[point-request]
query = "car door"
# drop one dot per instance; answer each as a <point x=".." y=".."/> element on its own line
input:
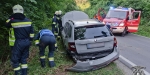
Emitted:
<point x="68" y="34"/>
<point x="133" y="23"/>
<point x="64" y="34"/>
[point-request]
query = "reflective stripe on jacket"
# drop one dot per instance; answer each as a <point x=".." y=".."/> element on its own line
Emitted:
<point x="11" y="37"/>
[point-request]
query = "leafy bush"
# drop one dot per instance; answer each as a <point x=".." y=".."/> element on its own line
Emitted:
<point x="39" y="11"/>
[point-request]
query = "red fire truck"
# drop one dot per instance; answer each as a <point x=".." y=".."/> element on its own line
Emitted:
<point x="123" y="20"/>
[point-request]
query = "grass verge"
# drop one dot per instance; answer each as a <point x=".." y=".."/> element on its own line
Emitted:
<point x="62" y="62"/>
<point x="144" y="30"/>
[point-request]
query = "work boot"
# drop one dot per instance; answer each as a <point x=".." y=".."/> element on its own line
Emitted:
<point x="18" y="72"/>
<point x="51" y="63"/>
<point x="42" y="62"/>
<point x="24" y="71"/>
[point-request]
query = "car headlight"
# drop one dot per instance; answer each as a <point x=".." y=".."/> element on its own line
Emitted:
<point x="121" y="24"/>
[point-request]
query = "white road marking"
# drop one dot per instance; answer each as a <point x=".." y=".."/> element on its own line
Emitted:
<point x="126" y="62"/>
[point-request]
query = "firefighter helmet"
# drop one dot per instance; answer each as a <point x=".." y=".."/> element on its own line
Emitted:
<point x="56" y="12"/>
<point x="18" y="9"/>
<point x="59" y="12"/>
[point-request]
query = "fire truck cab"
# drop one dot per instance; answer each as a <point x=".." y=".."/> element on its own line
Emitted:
<point x="123" y="20"/>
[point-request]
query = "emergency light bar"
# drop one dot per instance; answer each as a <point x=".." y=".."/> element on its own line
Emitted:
<point x="121" y="8"/>
<point x="124" y="8"/>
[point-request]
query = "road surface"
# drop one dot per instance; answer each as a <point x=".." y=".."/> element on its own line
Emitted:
<point x="136" y="49"/>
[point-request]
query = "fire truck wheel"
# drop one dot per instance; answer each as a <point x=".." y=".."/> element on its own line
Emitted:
<point x="124" y="32"/>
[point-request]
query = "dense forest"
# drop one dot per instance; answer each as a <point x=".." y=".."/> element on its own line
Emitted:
<point x="41" y="12"/>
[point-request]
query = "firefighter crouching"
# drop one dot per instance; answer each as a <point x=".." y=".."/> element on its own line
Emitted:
<point x="45" y="38"/>
<point x="23" y="32"/>
<point x="55" y="26"/>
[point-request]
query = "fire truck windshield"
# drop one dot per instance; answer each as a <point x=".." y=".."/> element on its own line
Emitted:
<point x="116" y="14"/>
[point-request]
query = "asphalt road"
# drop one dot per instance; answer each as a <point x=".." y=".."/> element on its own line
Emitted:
<point x="136" y="49"/>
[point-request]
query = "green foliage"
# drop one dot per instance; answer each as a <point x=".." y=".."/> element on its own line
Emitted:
<point x="39" y="11"/>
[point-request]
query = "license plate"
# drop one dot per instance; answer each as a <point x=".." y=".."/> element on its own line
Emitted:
<point x="95" y="45"/>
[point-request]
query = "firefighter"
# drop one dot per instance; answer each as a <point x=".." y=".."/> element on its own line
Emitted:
<point x="45" y="38"/>
<point x="59" y="23"/>
<point x="55" y="26"/>
<point x="23" y="32"/>
<point x="99" y="16"/>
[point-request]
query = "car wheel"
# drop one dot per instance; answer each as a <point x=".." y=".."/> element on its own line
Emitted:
<point x="124" y="32"/>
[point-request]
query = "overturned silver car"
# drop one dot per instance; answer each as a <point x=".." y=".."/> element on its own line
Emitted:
<point x="89" y="42"/>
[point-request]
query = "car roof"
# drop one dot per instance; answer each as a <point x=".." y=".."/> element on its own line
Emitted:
<point x="86" y="22"/>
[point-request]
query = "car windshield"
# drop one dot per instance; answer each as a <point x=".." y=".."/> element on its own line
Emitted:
<point x="93" y="31"/>
<point x="116" y="14"/>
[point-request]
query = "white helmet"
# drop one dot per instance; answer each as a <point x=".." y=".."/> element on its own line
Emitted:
<point x="18" y="9"/>
<point x="56" y="12"/>
<point x="59" y="12"/>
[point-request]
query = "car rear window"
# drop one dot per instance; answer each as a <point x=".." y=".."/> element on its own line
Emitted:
<point x="92" y="31"/>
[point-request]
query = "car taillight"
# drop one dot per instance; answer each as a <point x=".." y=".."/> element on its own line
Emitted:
<point x="115" y="41"/>
<point x="72" y="46"/>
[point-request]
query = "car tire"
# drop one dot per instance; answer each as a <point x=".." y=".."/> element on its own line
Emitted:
<point x="124" y="32"/>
